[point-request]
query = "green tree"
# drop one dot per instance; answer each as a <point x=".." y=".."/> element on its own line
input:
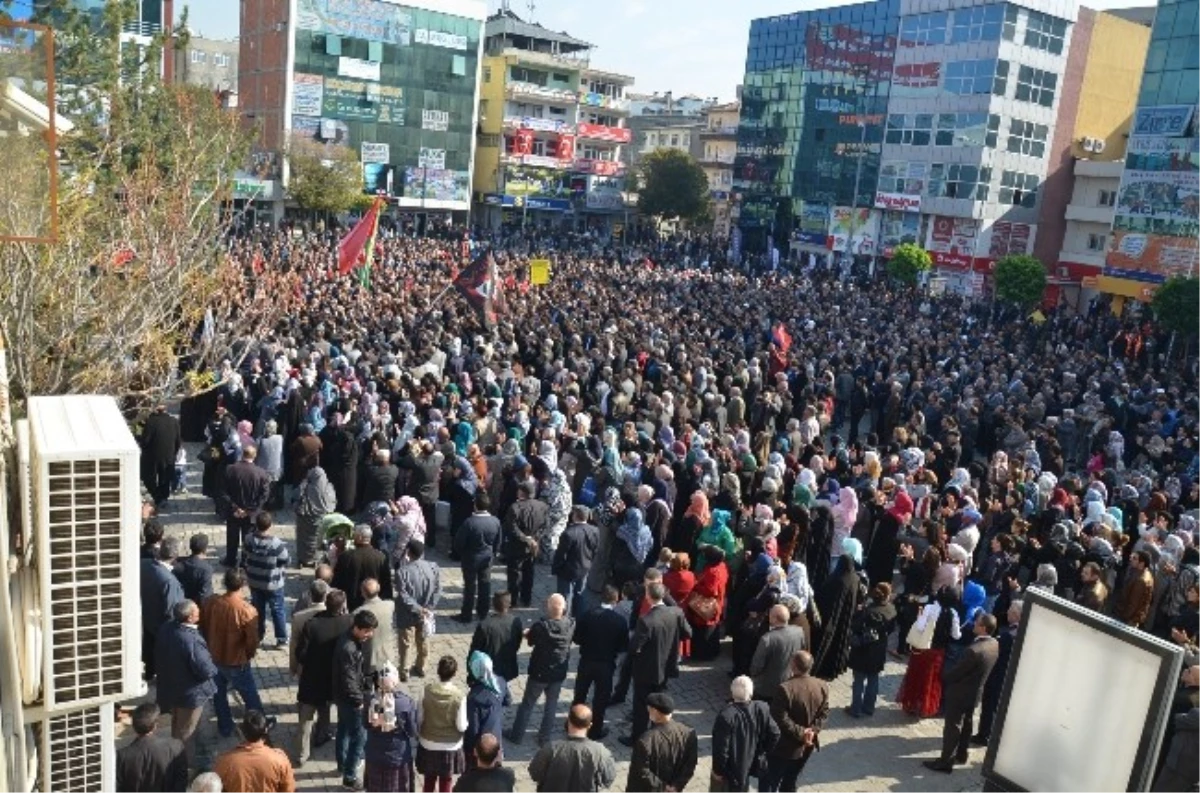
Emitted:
<point x="908" y="262"/>
<point x="325" y="178"/>
<point x="1020" y="279"/>
<point x="673" y="186"/>
<point x="1176" y="305"/>
<point x="146" y="178"/>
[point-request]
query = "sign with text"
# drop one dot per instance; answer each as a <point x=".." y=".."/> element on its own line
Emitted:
<point x="308" y="94"/>
<point x="1169" y="121"/>
<point x="539" y="272"/>
<point x="953" y="235"/>
<point x="431" y="158"/>
<point x="858" y="228"/>
<point x="601" y="132"/>
<point x="898" y="201"/>
<point x="435" y="120"/>
<point x="1009" y="239"/>
<point x="370" y="20"/>
<point x="358" y="69"/>
<point x="375" y="152"/>
<point x="358" y="101"/>
<point x="436" y="38"/>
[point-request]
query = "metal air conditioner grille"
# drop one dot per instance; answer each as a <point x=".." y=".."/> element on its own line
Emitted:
<point x="84" y="556"/>
<point x="74" y="745"/>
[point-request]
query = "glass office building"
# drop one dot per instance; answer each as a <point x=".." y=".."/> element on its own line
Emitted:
<point x="1172" y="76"/>
<point x="397" y="84"/>
<point x="814" y="103"/>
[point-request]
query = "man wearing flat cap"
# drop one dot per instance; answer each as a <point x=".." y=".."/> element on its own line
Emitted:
<point x="664" y="757"/>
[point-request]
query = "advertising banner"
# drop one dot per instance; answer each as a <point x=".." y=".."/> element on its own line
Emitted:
<point x="1159" y="195"/>
<point x="898" y="228"/>
<point x="308" y="94"/>
<point x="437" y="184"/>
<point x="357" y="101"/>
<point x="434" y="159"/>
<point x="436" y="38"/>
<point x="1168" y="121"/>
<point x="375" y="177"/>
<point x="814" y="224"/>
<point x="1009" y="238"/>
<point x="435" y="120"/>
<point x="862" y="223"/>
<point x="1138" y="255"/>
<point x="370" y="20"/>
<point x="523" y="180"/>
<point x="847" y="49"/>
<point x="1163" y="154"/>
<point x="375" y="152"/>
<point x="328" y="129"/>
<point x="358" y="69"/>
<point x="601" y="132"/>
<point x="953" y="236"/>
<point x="898" y="201"/>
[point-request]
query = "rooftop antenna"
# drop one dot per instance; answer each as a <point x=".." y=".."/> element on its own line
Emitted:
<point x="532" y="8"/>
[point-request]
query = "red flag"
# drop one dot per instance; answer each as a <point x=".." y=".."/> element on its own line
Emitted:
<point x="780" y="336"/>
<point x="257" y="265"/>
<point x="480" y="284"/>
<point x="353" y="245"/>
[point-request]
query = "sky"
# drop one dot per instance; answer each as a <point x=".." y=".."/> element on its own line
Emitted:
<point x="685" y="46"/>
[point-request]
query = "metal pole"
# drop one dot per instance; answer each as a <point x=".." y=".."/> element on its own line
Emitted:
<point x="862" y="142"/>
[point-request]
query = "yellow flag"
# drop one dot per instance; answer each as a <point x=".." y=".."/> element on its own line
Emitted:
<point x="539" y="271"/>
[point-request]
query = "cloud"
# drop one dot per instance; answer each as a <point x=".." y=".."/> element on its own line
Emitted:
<point x="634" y="8"/>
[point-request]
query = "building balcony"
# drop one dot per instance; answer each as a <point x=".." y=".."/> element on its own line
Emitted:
<point x="611" y="103"/>
<point x="598" y="167"/>
<point x="538" y="124"/>
<point x="1080" y="260"/>
<point x="535" y="160"/>
<point x="716" y="161"/>
<point x="1084" y="214"/>
<point x="558" y="96"/>
<point x="729" y="132"/>
<point x="545" y="59"/>
<point x="1104" y="169"/>
<point x="600" y="132"/>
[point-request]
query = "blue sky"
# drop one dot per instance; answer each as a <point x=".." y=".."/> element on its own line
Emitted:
<point x="685" y="46"/>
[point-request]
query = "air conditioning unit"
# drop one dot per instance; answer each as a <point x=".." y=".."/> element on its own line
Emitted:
<point x="75" y="750"/>
<point x="86" y="520"/>
<point x="1097" y="145"/>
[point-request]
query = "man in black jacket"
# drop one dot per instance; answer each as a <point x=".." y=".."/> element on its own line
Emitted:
<point x="602" y="635"/>
<point x="152" y="762"/>
<point x="247" y="488"/>
<point x="425" y="475"/>
<point x="499" y="637"/>
<point x="525" y="522"/>
<point x="379" y="480"/>
<point x="314" y="657"/>
<point x="962" y="688"/>
<point x="572" y="560"/>
<point x="355" y="566"/>
<point x="350" y="690"/>
<point x="486" y="774"/>
<point x="161" y="441"/>
<point x="550" y="638"/>
<point x="742" y="736"/>
<point x="664" y="757"/>
<point x="194" y="573"/>
<point x="476" y="544"/>
<point x="654" y="650"/>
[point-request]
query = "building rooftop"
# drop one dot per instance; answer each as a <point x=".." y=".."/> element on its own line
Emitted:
<point x="1142" y="15"/>
<point x="525" y="35"/>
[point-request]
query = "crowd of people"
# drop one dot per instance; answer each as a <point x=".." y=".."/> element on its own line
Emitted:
<point x="784" y="474"/>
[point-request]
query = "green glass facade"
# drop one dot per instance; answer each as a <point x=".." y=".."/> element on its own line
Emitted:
<point x="1172" y="74"/>
<point x="401" y="80"/>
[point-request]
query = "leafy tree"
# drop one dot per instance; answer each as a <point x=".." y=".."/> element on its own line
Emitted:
<point x="908" y="261"/>
<point x="1020" y="279"/>
<point x="139" y="261"/>
<point x="673" y="186"/>
<point x="1176" y="305"/>
<point x="325" y="178"/>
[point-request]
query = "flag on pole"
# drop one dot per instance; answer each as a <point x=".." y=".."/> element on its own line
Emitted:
<point x="480" y="284"/>
<point x="358" y="246"/>
<point x="780" y="336"/>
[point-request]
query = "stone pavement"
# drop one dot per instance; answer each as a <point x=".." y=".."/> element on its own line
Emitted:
<point x="880" y="753"/>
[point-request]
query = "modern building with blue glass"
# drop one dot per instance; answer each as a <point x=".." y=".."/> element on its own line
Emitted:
<point x="941" y="111"/>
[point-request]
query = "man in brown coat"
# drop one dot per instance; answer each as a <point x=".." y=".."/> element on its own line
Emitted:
<point x="800" y="707"/>
<point x="230" y="626"/>
<point x="1133" y="601"/>
<point x="962" y="688"/>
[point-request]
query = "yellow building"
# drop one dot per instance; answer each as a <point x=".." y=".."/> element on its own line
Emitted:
<point x="718" y="142"/>
<point x="550" y="131"/>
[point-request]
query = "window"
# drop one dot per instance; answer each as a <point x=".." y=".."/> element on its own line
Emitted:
<point x="1010" y="23"/>
<point x="1045" y="32"/>
<point x="458" y="65"/>
<point x="1107" y="198"/>
<point x="483" y="108"/>
<point x="1018" y="189"/>
<point x="972" y="77"/>
<point x="489" y="141"/>
<point x="1000" y="84"/>
<point x="375" y="51"/>
<point x="651" y="139"/>
<point x="1036" y="86"/>
<point x="674" y="139"/>
<point x="959" y="181"/>
<point x="910" y="130"/>
<point x="559" y="77"/>
<point x="923" y="29"/>
<point x="539" y="147"/>
<point x="1025" y="137"/>
<point x="1097" y="242"/>
<point x="902" y="177"/>
<point x="967" y="129"/>
<point x="333" y="45"/>
<point x="981" y="23"/>
<point x="487" y="74"/>
<point x="199" y="56"/>
<point x="523" y="75"/>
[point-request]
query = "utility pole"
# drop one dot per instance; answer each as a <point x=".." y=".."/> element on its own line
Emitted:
<point x="848" y="261"/>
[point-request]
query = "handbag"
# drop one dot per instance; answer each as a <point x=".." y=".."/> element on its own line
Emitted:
<point x="705" y="607"/>
<point x="919" y="639"/>
<point x="210" y="454"/>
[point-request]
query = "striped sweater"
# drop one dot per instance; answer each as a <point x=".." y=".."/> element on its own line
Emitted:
<point x="265" y="557"/>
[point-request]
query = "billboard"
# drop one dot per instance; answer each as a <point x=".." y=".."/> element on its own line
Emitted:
<point x="897" y="228"/>
<point x="859" y="226"/>
<point x="370" y="20"/>
<point x="955" y="236"/>
<point x="437" y="184"/>
<point x="308" y="94"/>
<point x="814" y="224"/>
<point x="1009" y="239"/>
<point x="843" y="48"/>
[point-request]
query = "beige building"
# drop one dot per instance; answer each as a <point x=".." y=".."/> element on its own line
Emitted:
<point x="211" y="63"/>
<point x="717" y="149"/>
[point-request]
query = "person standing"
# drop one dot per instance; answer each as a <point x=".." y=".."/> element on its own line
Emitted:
<point x="317" y="590"/>
<point x="254" y="765"/>
<point x="962" y="688"/>
<point x="995" y="680"/>
<point x="664" y="757"/>
<point x="419" y="589"/>
<point x="499" y="636"/>
<point x="247" y="490"/>
<point x="314" y="658"/>
<point x="229" y="625"/>
<point x="1092" y="594"/>
<point x="602" y="635"/>
<point x="775" y="650"/>
<point x="383" y="643"/>
<point x="161" y="440"/>
<point x="270" y="459"/>
<point x="487" y="699"/>
<point x="187" y="678"/>
<point x="160" y="592"/>
<point x="391" y="727"/>
<point x="486" y="774"/>
<point x="317" y="498"/>
<point x="654" y="654"/>
<point x="266" y="562"/>
<point x="524" y="523"/>
<point x="573" y="558"/>
<point x="423" y="483"/>
<point x="350" y="691"/>
<point x="868" y="649"/>
<point x="550" y="638"/>
<point x="1137" y="593"/>
<point x="194" y="572"/>
<point x="574" y="763"/>
<point x="477" y="543"/>
<point x="800" y="707"/>
<point x="441" y="722"/>
<point x="743" y="734"/>
<point x="152" y="762"/>
<point x="357" y="565"/>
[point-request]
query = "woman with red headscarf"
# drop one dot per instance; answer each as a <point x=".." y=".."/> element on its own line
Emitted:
<point x="695" y="520"/>
<point x="881" y="555"/>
